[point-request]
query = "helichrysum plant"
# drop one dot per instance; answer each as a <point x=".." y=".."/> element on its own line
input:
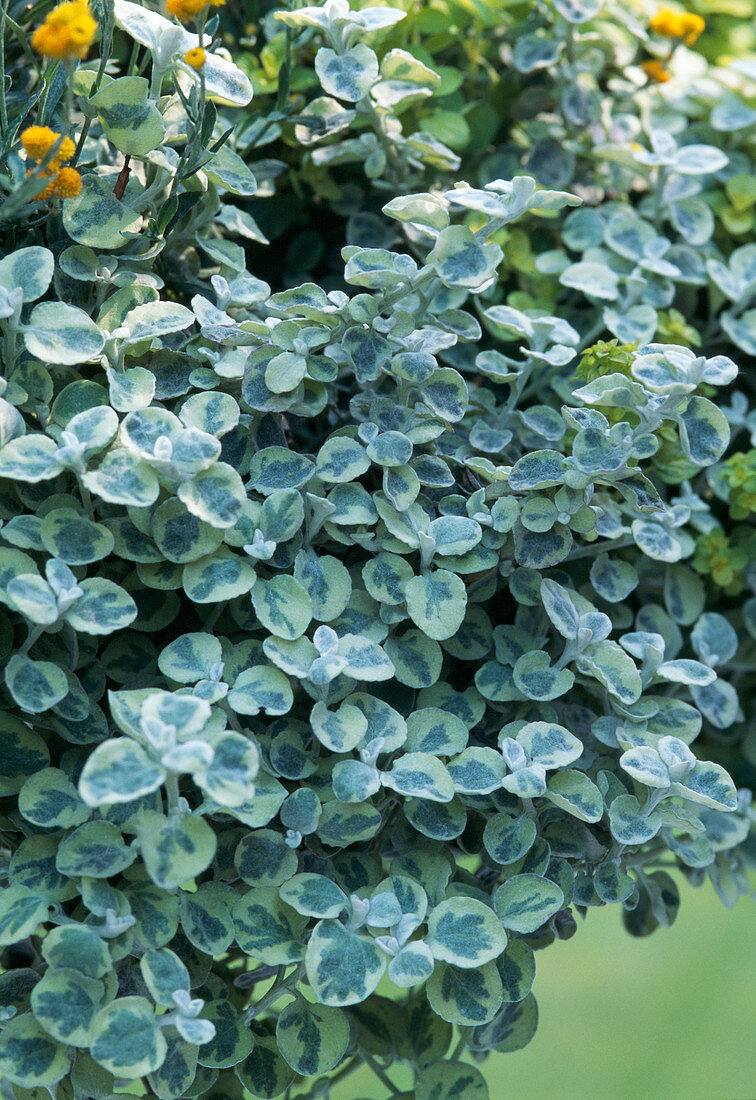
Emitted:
<point x="377" y="542"/>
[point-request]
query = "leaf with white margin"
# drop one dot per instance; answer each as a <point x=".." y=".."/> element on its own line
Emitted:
<point x="549" y="744"/>
<point x="327" y="581"/>
<point x="613" y="668"/>
<point x="35" y="685"/>
<point x="413" y="965"/>
<point x="612" y="578"/>
<point x="33" y="598"/>
<point x="221" y="575"/>
<point x="31" y="269"/>
<point x="454" y="534"/>
<point x="175" y="849"/>
<point x="704" y="431"/>
<point x="741" y="329"/>
<point x="343" y="968"/>
<point x="29" y="458"/>
<point x="338" y="730"/>
<point x="525" y="902"/>
<point x="216" y="496"/>
<point x="227" y="169"/>
<point x="420" y="775"/>
<point x="283" y="606"/>
<point x="714" y="639"/>
<point x="342" y="823"/>
<point x="21" y="910"/>
<point x="424" y="209"/>
<point x="685" y="671"/>
<point x="261" y="688"/>
<point x="447" y="394"/>
<point x="191" y="657"/>
<point x="710" y="785"/>
<point x="224" y="82"/>
<point x="314" y="895"/>
<point x="646" y="766"/>
<point x="628" y="824"/>
<point x="312" y="1038"/>
<point x="450" y="1081"/>
<point x="121" y="478"/>
<point x="436" y="603"/>
<point x="73" y="538"/>
<point x="353" y="781"/>
<point x="536" y="679"/>
<point x="263" y="1072"/>
<point x="349" y="75"/>
<point x="434" y="730"/>
<point x="164" y="974"/>
<point x="206" y="920"/>
<point x="718" y="702"/>
<point x="96" y="850"/>
<point x="508" y="839"/>
<point x="699" y="160"/>
<point x="560" y="607"/>
<point x="596" y="280"/>
<point x="95" y="217"/>
<point x="365" y="659"/>
<point x="537" y="470"/>
<point x="465" y="996"/>
<point x="477" y="770"/>
<point x="229" y="778"/>
<point x="79" y="946"/>
<point x="126" y="1038"/>
<point x="49" y="799"/>
<point x="461" y="259"/>
<point x="341" y="459"/>
<point x="29" y="1057"/>
<point x="102" y="608"/>
<point x="187" y="713"/>
<point x="152" y="319"/>
<point x="59" y="333"/>
<point x="575" y="793"/>
<point x="465" y="932"/>
<point x="119" y="770"/>
<point x="130" y="119"/>
<point x="66" y="1002"/>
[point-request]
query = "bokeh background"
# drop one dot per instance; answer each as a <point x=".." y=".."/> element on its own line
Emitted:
<point x="668" y="1017"/>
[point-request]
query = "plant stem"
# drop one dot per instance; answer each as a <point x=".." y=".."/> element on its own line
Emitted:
<point x="382" y="1076"/>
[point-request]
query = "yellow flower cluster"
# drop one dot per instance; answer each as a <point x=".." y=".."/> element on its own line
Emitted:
<point x="37" y="141"/>
<point x="655" y="71"/>
<point x="67" y="32"/>
<point x="196" y="58"/>
<point x="685" y="26"/>
<point x="186" y="10"/>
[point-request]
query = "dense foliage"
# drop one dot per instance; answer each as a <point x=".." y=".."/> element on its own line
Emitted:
<point x="378" y="550"/>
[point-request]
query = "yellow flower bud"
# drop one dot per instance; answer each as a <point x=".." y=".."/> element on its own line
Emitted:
<point x="196" y="57"/>
<point x="67" y="32"/>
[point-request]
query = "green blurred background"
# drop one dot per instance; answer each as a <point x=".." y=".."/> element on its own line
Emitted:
<point x="669" y="1017"/>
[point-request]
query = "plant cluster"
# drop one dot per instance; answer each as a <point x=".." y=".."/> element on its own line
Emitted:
<point x="377" y="549"/>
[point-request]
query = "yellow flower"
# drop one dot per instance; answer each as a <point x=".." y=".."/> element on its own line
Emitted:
<point x="66" y="150"/>
<point x="692" y="27"/>
<point x="196" y="57"/>
<point x="655" y="71"/>
<point x="685" y="26"/>
<point x="48" y="188"/>
<point x="37" y="141"/>
<point x="67" y="32"/>
<point x="67" y="183"/>
<point x="185" y="10"/>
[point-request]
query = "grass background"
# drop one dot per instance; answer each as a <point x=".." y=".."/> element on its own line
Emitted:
<point x="669" y="1017"/>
